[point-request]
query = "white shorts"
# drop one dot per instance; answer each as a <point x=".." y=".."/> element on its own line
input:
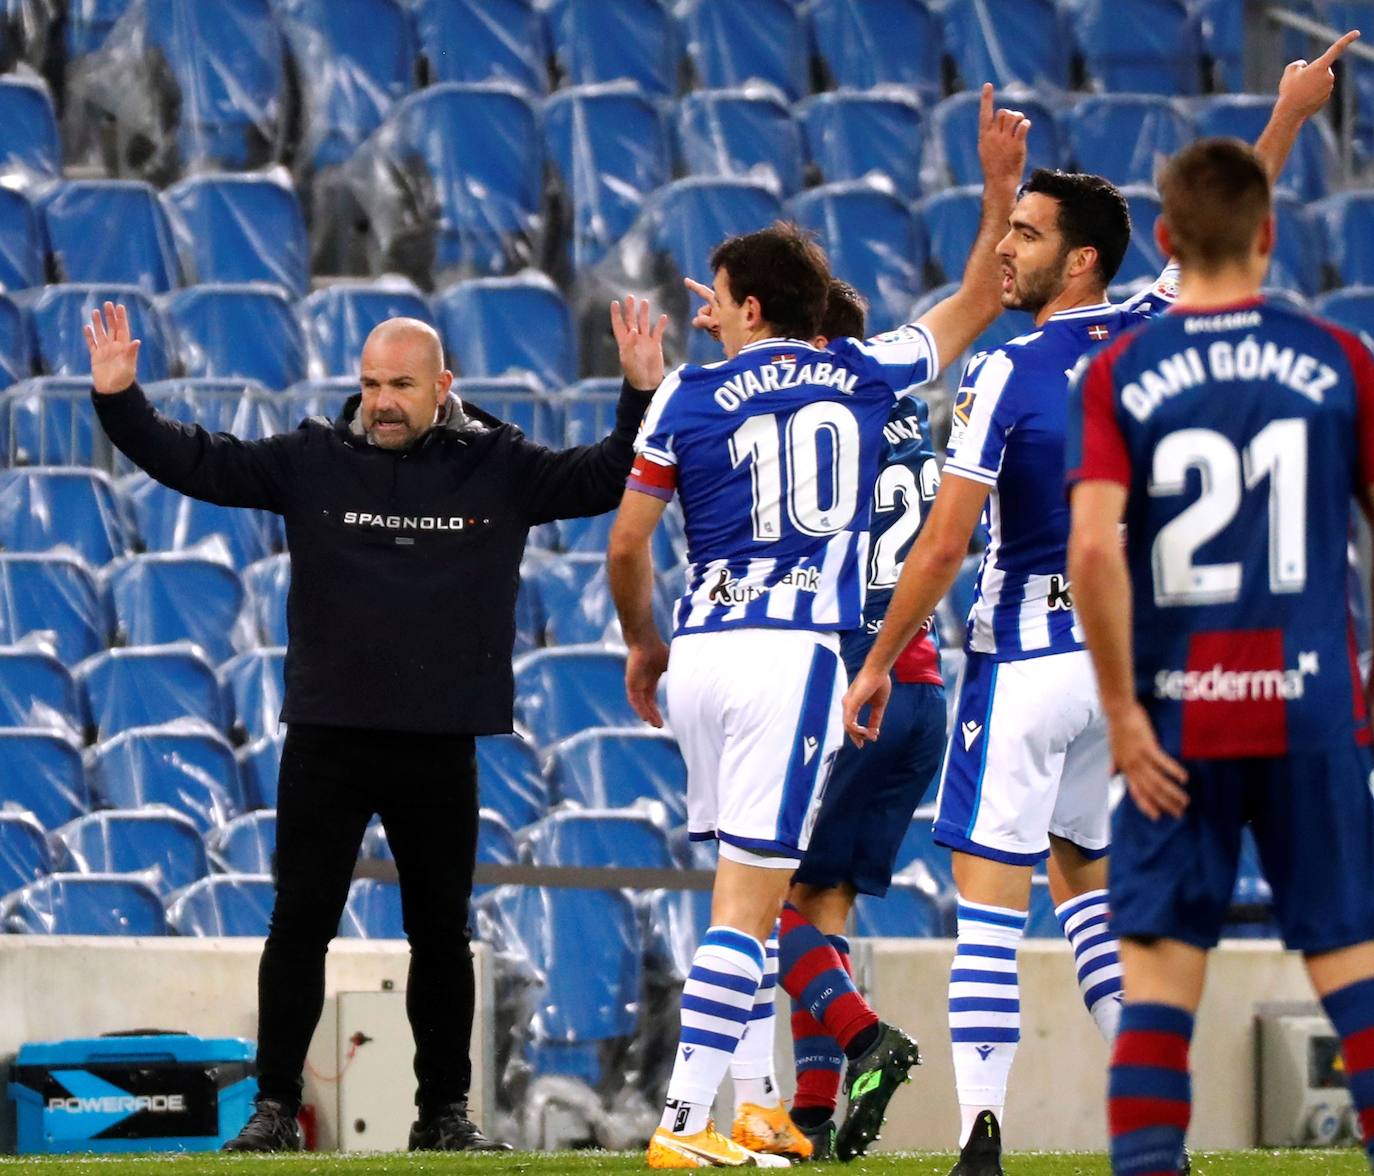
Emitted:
<point x="1027" y="757"/>
<point x="757" y="715"/>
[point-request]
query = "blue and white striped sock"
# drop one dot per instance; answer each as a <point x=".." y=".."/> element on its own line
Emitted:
<point x="717" y="1001"/>
<point x="1097" y="956"/>
<point x="984" y="1008"/>
<point x="751" y="1068"/>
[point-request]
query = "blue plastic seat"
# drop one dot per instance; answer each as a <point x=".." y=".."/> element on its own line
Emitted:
<point x="168" y="521"/>
<point x="746" y="134"/>
<point x="245" y="845"/>
<point x="1352" y="308"/>
<point x="495" y="841"/>
<point x="24" y="852"/>
<point x="851" y="135"/>
<point x="148" y="686"/>
<point x="509" y="780"/>
<point x="56" y="594"/>
<point x="235" y="905"/>
<point x="30" y="150"/>
<point x="49" y="420"/>
<point x="89" y="22"/>
<point x="267" y="583"/>
<point x="21" y="242"/>
<point x="239" y="406"/>
<point x="84" y="904"/>
<point x="180" y="765"/>
<point x="339" y="318"/>
<point x="614" y="767"/>
<point x="373" y="911"/>
<point x="1140" y="46"/>
<point x="244" y="330"/>
<point x="873" y="239"/>
<point x="161" y="845"/>
<point x="1349" y="218"/>
<point x="60" y="312"/>
<point x="1125" y="137"/>
<point x="952" y="148"/>
<point x="608" y="147"/>
<point x="615" y="40"/>
<point x="867" y="43"/>
<point x="16" y="359"/>
<point x="951" y="219"/>
<point x="240" y="228"/>
<point x="259" y="764"/>
<point x="588" y="411"/>
<point x="518" y="400"/>
<point x="37" y="692"/>
<point x="164" y="597"/>
<point x="484" y="41"/>
<point x="1008" y="41"/>
<point x="1298" y="261"/>
<point x="732" y="44"/>
<point x="257" y="681"/>
<point x="42" y="772"/>
<point x="677" y="921"/>
<point x="1222" y="29"/>
<point x="1308" y="171"/>
<point x="623" y="838"/>
<point x="78" y="216"/>
<point x="507" y="327"/>
<point x="908" y="911"/>
<point x="43" y="508"/>
<point x="1143" y="259"/>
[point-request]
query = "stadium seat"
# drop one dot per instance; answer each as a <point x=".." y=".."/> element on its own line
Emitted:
<point x="144" y="687"/>
<point x="168" y="521"/>
<point x="1222" y="29"/>
<point x="1005" y="43"/>
<point x="730" y="44"/>
<point x="452" y="184"/>
<point x="338" y="319"/>
<point x="162" y="846"/>
<point x="483" y="41"/>
<point x="88" y="23"/>
<point x="84" y="904"/>
<point x="267" y="583"/>
<point x="223" y="904"/>
<point x="1125" y="137"/>
<point x="16" y="359"/>
<point x="851" y="135"/>
<point x="508" y="327"/>
<point x="373" y="911"/>
<point x="1298" y="260"/>
<point x="745" y="134"/>
<point x="179" y="765"/>
<point x="873" y="239"/>
<point x="355" y="59"/>
<point x="239" y="406"/>
<point x="562" y="691"/>
<point x="24" y="853"/>
<point x="495" y="841"/>
<point x="240" y="228"/>
<point x="78" y="216"/>
<point x="608" y="147"/>
<point x="257" y="681"/>
<point x="909" y="911"/>
<point x="53" y="594"/>
<point x="1349" y="219"/>
<point x="575" y="603"/>
<point x="516" y="400"/>
<point x="867" y="43"/>
<point x="36" y="691"/>
<point x="245" y="845"/>
<point x="588" y="412"/>
<point x="30" y="151"/>
<point x="59" y="313"/>
<point x="1140" y="46"/>
<point x="509" y="781"/>
<point x="951" y="155"/>
<point x="244" y="330"/>
<point x="1352" y="308"/>
<point x="49" y="420"/>
<point x="589" y="536"/>
<point x="21" y="242"/>
<point x="1143" y="260"/>
<point x="951" y="219"/>
<point x="41" y="772"/>
<point x="615" y="40"/>
<point x="1308" y="171"/>
<point x="317" y="398"/>
<point x="164" y="597"/>
<point x="615" y="767"/>
<point x="72" y="511"/>
<point x="677" y="921"/>
<point x="621" y="838"/>
<point x="258" y="766"/>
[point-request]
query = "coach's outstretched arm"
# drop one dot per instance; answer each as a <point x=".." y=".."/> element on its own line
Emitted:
<point x="1303" y="90"/>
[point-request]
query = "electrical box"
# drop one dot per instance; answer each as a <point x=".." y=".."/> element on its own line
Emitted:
<point x="1303" y="1097"/>
<point x="376" y="1072"/>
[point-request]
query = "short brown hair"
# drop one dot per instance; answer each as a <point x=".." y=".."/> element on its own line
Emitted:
<point x="784" y="268"/>
<point x="846" y="311"/>
<point x="1214" y="195"/>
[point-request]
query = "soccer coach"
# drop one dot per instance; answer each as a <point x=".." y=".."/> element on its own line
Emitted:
<point x="406" y="520"/>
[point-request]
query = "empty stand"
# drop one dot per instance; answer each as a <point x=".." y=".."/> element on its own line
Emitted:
<point x="30" y="151"/>
<point x="37" y="692"/>
<point x="951" y="150"/>
<point x="509" y="780"/>
<point x="373" y="911"/>
<point x="1140" y="46"/>
<point x="21" y="242"/>
<point x="1143" y="260"/>
<point x="53" y="594"/>
<point x="518" y="400"/>
<point x="165" y="597"/>
<point x="575" y="605"/>
<point x="616" y="767"/>
<point x="339" y="318"/>
<point x="908" y="910"/>
<point x="267" y="583"/>
<point x="239" y="406"/>
<point x="626" y="839"/>
<point x="89" y="22"/>
<point x="615" y="40"/>
<point x="24" y="853"/>
<point x="77" y="216"/>
<point x="951" y="220"/>
<point x="1125" y="137"/>
<point x="509" y="327"/>
<point x="495" y="841"/>
<point x="1349" y="219"/>
<point x="1308" y="170"/>
<point x="1298" y="261"/>
<point x="483" y="41"/>
<point x="162" y="846"/>
<point x="245" y="845"/>
<point x="259" y="763"/>
<point x="867" y="43"/>
<point x="59" y="313"/>
<point x="746" y="134"/>
<point x="168" y="521"/>
<point x="16" y="359"/>
<point x="177" y="765"/>
<point x="562" y="691"/>
<point x="1352" y="308"/>
<point x="1008" y="41"/>
<point x="733" y="44"/>
<point x="238" y="330"/>
<point x="49" y="420"/>
<point x="42" y="773"/>
<point x="851" y="135"/>
<point x="257" y="681"/>
<point x="223" y="904"/>
<point x="147" y="686"/>
<point x="53" y="508"/>
<point x="84" y="904"/>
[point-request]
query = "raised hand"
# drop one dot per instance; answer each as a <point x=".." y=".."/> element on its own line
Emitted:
<point x="1001" y="141"/>
<point x="114" y="355"/>
<point x="1305" y="86"/>
<point x="641" y="349"/>
<point x="705" y="318"/>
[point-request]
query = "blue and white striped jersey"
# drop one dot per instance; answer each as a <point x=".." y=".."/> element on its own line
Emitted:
<point x="1010" y="416"/>
<point x="775" y="454"/>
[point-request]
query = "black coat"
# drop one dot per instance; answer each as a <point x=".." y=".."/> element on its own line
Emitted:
<point x="404" y="564"/>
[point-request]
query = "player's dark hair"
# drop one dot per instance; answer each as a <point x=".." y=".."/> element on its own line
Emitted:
<point x="1214" y="197"/>
<point x="1091" y="212"/>
<point x="846" y="312"/>
<point x="785" y="269"/>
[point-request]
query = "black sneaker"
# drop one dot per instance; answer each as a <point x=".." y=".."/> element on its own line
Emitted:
<point x="982" y="1154"/>
<point x="822" y="1137"/>
<point x="450" y="1129"/>
<point x="272" y="1128"/>
<point x="870" y="1082"/>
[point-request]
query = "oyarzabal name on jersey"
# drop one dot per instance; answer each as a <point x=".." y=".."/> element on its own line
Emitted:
<point x="121" y="1104"/>
<point x="777" y="377"/>
<point x="1222" y="685"/>
<point x="1226" y="361"/>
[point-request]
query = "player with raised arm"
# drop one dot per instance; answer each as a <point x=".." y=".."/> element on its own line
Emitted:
<point x="1025" y="774"/>
<point x="1231" y="435"/>
<point x="774" y="453"/>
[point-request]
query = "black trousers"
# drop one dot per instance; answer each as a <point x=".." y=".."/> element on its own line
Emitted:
<point x="424" y="788"/>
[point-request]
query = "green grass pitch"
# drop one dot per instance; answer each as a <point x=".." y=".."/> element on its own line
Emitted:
<point x="1349" y="1162"/>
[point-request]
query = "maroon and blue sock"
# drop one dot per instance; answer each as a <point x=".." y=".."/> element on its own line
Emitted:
<point x="1351" y="1010"/>
<point x="812" y="973"/>
<point x="819" y="1058"/>
<point x="1149" y="1092"/>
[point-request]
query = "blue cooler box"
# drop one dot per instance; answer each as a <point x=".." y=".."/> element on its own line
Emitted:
<point x="159" y="1092"/>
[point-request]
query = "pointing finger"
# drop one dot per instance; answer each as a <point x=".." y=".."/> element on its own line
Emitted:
<point x="985" y="106"/>
<point x="1338" y="47"/>
<point x="699" y="290"/>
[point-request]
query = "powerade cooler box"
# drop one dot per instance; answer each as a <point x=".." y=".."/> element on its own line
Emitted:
<point x="153" y="1092"/>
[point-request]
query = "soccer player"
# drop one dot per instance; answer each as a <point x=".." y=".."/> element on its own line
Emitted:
<point x="774" y="453"/>
<point x="1026" y="770"/>
<point x="1231" y="436"/>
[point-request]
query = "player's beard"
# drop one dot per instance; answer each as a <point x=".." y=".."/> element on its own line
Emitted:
<point x="1032" y="290"/>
